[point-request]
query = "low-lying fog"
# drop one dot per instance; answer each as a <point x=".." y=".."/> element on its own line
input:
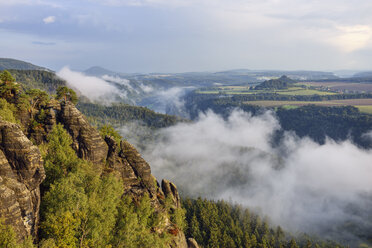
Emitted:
<point x="300" y="185"/>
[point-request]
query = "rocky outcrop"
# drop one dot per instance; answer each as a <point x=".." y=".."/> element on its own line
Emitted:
<point x="192" y="243"/>
<point x="170" y="190"/>
<point x="87" y="141"/>
<point x="179" y="241"/>
<point x="21" y="173"/>
<point x="135" y="172"/>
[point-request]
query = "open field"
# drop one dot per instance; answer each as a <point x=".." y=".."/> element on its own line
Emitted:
<point x="243" y="90"/>
<point x="364" y="109"/>
<point x="341" y="86"/>
<point x="364" y="105"/>
<point x="303" y="92"/>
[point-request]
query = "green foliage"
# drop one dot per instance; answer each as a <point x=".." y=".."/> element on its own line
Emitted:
<point x="136" y="223"/>
<point x="108" y="130"/>
<point x="38" y="79"/>
<point x="316" y="122"/>
<point x="37" y="98"/>
<point x="120" y="114"/>
<point x="281" y="83"/>
<point x="7" y="63"/>
<point x="60" y="158"/>
<point x="80" y="210"/>
<point x="220" y="224"/>
<point x="7" y="111"/>
<point x="8" y="88"/>
<point x="7" y="236"/>
<point x="6" y="77"/>
<point x="177" y="215"/>
<point x="66" y="94"/>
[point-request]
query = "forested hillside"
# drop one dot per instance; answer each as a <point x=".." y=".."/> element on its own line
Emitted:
<point x="8" y="64"/>
<point x="222" y="224"/>
<point x="119" y="114"/>
<point x="93" y="189"/>
<point x="96" y="191"/>
<point x="39" y="79"/>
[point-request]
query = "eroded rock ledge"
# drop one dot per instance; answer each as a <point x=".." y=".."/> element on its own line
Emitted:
<point x="21" y="173"/>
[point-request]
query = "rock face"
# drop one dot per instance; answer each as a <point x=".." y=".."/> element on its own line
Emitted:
<point x="87" y="141"/>
<point x="21" y="173"/>
<point x="192" y="243"/>
<point x="135" y="172"/>
<point x="170" y="190"/>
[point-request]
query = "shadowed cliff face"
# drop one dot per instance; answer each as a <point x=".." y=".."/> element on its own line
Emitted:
<point x="87" y="141"/>
<point x="21" y="173"/>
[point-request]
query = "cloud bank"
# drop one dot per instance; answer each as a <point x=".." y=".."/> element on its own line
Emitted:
<point x="49" y="19"/>
<point x="301" y="185"/>
<point x="94" y="88"/>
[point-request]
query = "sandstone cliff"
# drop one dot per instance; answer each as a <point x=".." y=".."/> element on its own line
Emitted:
<point x="21" y="173"/>
<point x="21" y="169"/>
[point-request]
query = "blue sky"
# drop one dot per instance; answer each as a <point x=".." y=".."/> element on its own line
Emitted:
<point x="188" y="35"/>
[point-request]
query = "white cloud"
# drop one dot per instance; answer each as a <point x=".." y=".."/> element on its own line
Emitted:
<point x="49" y="19"/>
<point x="94" y="88"/>
<point x="301" y="185"/>
<point x="352" y="38"/>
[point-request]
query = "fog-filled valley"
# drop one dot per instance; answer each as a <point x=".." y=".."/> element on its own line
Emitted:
<point x="305" y="186"/>
<point x="185" y="124"/>
<point x="304" y="168"/>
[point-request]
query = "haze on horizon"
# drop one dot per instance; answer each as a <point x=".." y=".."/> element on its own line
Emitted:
<point x="188" y="35"/>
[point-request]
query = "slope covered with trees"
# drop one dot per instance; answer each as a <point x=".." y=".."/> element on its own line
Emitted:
<point x="8" y="64"/>
<point x="120" y="113"/>
<point x="222" y="224"/>
<point x="281" y="83"/>
<point x="97" y="192"/>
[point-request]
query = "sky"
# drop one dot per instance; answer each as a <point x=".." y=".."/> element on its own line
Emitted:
<point x="188" y="35"/>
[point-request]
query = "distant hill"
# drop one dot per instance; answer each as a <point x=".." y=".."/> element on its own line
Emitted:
<point x="7" y="64"/>
<point x="364" y="74"/>
<point x="281" y="83"/>
<point x="99" y="71"/>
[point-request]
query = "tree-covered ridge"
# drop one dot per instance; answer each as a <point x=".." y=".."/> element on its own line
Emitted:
<point x="9" y="64"/>
<point x="40" y="79"/>
<point x="221" y="224"/>
<point x="119" y="114"/>
<point x="280" y="83"/>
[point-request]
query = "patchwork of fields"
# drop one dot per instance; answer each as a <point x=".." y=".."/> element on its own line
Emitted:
<point x="242" y="90"/>
<point x="302" y="89"/>
<point x="364" y="105"/>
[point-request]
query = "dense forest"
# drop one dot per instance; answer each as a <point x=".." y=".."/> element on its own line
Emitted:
<point x="199" y="98"/>
<point x="316" y="122"/>
<point x="281" y="83"/>
<point x="38" y="79"/>
<point x="8" y="63"/>
<point x="119" y="114"/>
<point x="223" y="224"/>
